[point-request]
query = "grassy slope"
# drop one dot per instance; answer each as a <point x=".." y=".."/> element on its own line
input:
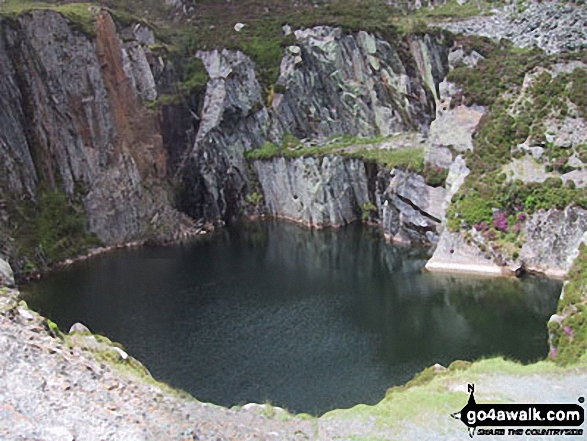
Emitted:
<point x="569" y="338"/>
<point x="423" y="408"/>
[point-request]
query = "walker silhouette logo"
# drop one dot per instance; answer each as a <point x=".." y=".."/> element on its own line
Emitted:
<point x="474" y="415"/>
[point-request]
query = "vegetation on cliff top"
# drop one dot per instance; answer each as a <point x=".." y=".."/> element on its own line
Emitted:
<point x="515" y="115"/>
<point x="80" y="15"/>
<point x="210" y="24"/>
<point x="569" y="335"/>
<point x="411" y="159"/>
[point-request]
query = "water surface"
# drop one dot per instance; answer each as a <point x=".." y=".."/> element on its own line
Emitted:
<point x="309" y="320"/>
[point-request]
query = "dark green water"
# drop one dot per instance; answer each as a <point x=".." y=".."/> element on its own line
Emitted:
<point x="310" y="320"/>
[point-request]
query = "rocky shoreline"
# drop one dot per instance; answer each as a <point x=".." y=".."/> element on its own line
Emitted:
<point x="78" y="386"/>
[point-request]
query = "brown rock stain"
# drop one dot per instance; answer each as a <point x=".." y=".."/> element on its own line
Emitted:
<point x="137" y="128"/>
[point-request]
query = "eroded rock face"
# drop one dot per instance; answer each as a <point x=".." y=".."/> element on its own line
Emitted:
<point x="552" y="240"/>
<point x="354" y="84"/>
<point x="317" y="192"/>
<point x="411" y="211"/>
<point x="73" y="120"/>
<point x="234" y="120"/>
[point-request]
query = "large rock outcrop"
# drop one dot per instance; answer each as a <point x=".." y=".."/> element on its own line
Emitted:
<point x="72" y="120"/>
<point x="234" y="120"/>
<point x="317" y="192"/>
<point x="332" y="83"/>
<point x="411" y="210"/>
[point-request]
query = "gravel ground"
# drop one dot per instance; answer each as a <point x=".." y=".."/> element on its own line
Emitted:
<point x="52" y="391"/>
<point x="552" y="26"/>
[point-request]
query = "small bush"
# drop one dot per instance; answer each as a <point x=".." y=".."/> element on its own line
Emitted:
<point x="369" y="211"/>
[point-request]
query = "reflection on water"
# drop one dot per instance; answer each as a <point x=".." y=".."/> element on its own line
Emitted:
<point x="310" y="320"/>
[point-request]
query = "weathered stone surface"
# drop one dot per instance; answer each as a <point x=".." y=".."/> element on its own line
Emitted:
<point x="234" y="120"/>
<point x="107" y="394"/>
<point x="526" y="169"/>
<point x="138" y="70"/>
<point x="552" y="240"/>
<point x="457" y="173"/>
<point x="411" y="211"/>
<point x="6" y="275"/>
<point x="355" y="84"/>
<point x="317" y="192"/>
<point x="431" y="59"/>
<point x="79" y="328"/>
<point x="72" y="120"/>
<point x="552" y="26"/>
<point x="455" y="127"/>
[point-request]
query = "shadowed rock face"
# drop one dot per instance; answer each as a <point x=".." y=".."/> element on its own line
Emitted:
<point x="73" y="120"/>
<point x="234" y="120"/>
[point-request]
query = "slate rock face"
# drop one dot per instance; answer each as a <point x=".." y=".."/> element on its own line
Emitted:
<point x="234" y="120"/>
<point x="73" y="120"/>
<point x="553" y="238"/>
<point x="411" y="210"/>
<point x="333" y="191"/>
<point x="330" y="84"/>
<point x="360" y="85"/>
<point x="317" y="192"/>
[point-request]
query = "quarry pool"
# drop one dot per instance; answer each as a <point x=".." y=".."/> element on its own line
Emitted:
<point x="308" y="320"/>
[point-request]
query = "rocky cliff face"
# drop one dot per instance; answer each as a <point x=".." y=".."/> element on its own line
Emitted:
<point x="353" y="84"/>
<point x="330" y="84"/>
<point x="234" y="120"/>
<point x="73" y="120"/>
<point x="317" y="192"/>
<point x="411" y="211"/>
<point x="334" y="191"/>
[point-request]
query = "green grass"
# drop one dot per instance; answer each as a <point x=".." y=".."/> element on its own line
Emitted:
<point x="411" y="159"/>
<point x="80" y="15"/>
<point x="430" y="398"/>
<point x="495" y="83"/>
<point x="291" y="147"/>
<point x="52" y="229"/>
<point x="570" y="337"/>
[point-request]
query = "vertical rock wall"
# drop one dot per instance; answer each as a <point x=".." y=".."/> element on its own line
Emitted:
<point x="73" y="120"/>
